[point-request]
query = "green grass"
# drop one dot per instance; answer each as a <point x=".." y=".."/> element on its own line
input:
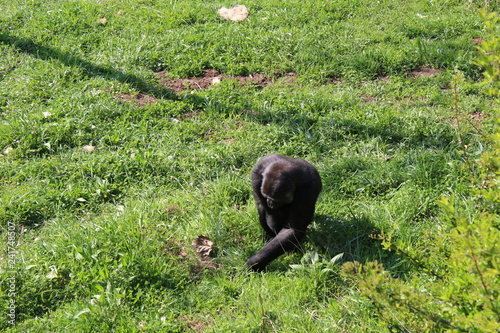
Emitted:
<point x="104" y="237"/>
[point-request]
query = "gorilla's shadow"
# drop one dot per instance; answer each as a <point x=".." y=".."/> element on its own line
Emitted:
<point x="40" y="51"/>
<point x="355" y="237"/>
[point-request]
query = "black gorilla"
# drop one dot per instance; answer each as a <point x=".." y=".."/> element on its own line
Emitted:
<point x="285" y="191"/>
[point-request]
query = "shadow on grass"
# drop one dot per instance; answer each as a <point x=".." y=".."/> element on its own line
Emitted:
<point x="329" y="131"/>
<point x="40" y="51"/>
<point x="356" y="238"/>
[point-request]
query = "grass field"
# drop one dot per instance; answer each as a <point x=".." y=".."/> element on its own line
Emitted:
<point x="118" y="148"/>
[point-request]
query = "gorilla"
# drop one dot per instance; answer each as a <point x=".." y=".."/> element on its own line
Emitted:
<point x="285" y="190"/>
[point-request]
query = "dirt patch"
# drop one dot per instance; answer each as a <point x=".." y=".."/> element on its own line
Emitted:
<point x="194" y="325"/>
<point x="425" y="72"/>
<point x="209" y="78"/>
<point x="212" y="77"/>
<point x="140" y="99"/>
<point x="289" y="77"/>
<point x="172" y="210"/>
<point x="205" y="265"/>
<point x="368" y="98"/>
<point x="257" y="79"/>
<point x="478" y="115"/>
<point x="474" y="119"/>
<point x="336" y="80"/>
<point x="180" y="85"/>
<point x="477" y="118"/>
<point x="478" y="41"/>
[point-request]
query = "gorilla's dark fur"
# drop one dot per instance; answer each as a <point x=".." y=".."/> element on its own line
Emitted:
<point x="285" y="191"/>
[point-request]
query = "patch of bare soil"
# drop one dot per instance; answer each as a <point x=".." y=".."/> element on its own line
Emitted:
<point x="194" y="325"/>
<point x="475" y="119"/>
<point x="425" y="71"/>
<point x="478" y="41"/>
<point x="368" y="98"/>
<point x="140" y="99"/>
<point x="478" y="115"/>
<point x="211" y="77"/>
<point x="289" y="77"/>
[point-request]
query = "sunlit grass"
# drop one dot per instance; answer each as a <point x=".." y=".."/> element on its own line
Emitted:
<point x="105" y="233"/>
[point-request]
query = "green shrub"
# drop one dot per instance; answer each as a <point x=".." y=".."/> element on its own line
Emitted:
<point x="457" y="284"/>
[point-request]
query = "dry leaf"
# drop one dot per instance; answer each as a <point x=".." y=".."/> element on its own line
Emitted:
<point x="203" y="246"/>
<point x="237" y="13"/>
<point x="102" y="20"/>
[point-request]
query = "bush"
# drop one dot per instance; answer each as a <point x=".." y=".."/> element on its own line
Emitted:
<point x="456" y="286"/>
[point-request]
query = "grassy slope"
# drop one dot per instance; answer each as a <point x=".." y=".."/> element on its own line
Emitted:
<point x="105" y="236"/>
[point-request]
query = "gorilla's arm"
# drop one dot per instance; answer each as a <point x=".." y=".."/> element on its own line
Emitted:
<point x="263" y="216"/>
<point x="286" y="240"/>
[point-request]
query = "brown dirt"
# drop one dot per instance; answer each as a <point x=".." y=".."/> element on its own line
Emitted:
<point x="478" y="41"/>
<point x="209" y="78"/>
<point x="194" y="325"/>
<point x="140" y="99"/>
<point x="477" y="118"/>
<point x="425" y="72"/>
<point x="478" y="115"/>
<point x="474" y="118"/>
<point x="368" y="98"/>
<point x="212" y="76"/>
<point x="172" y="210"/>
